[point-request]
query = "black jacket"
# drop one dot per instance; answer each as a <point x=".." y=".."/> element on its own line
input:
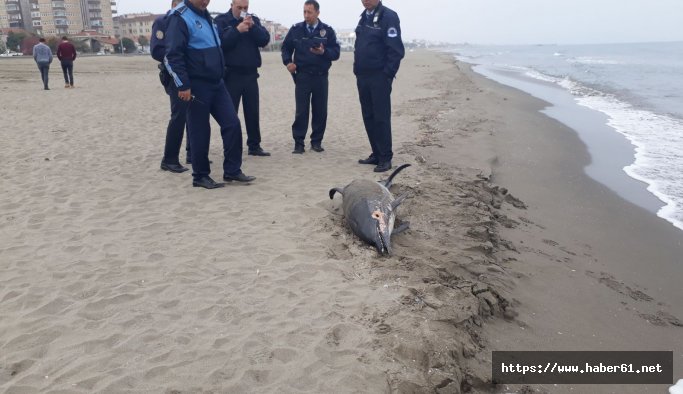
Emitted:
<point x="241" y="50"/>
<point x="298" y="43"/>
<point x="379" y="46"/>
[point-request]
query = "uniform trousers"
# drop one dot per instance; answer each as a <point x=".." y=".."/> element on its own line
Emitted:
<point x="176" y="127"/>
<point x="244" y="87"/>
<point x="374" y="91"/>
<point x="311" y="93"/>
<point x="212" y="99"/>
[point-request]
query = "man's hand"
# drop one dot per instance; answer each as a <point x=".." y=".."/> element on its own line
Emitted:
<point x="185" y="95"/>
<point x="246" y="24"/>
<point x="291" y="67"/>
<point x="319" y="50"/>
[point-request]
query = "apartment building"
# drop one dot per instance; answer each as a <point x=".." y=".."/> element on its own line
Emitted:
<point x="98" y="16"/>
<point x="134" y="25"/>
<point x="58" y="17"/>
<point x="11" y="15"/>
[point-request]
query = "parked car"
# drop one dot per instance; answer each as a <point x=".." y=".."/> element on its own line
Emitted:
<point x="10" y="54"/>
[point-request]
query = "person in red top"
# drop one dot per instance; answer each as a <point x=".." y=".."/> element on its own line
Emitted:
<point x="66" y="53"/>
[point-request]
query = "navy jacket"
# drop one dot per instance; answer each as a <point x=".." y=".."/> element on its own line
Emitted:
<point x="193" y="47"/>
<point x="299" y="41"/>
<point x="241" y="50"/>
<point x="158" y="42"/>
<point x="379" y="46"/>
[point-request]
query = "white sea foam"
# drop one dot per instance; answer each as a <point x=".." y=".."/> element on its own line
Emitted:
<point x="658" y="140"/>
<point x="592" y="60"/>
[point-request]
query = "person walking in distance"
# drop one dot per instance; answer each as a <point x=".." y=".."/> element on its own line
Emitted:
<point x="66" y="53"/>
<point x="42" y="54"/>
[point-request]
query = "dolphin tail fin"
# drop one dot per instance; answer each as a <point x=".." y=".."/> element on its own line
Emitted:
<point x="336" y="190"/>
<point x="398" y="201"/>
<point x="387" y="183"/>
<point x="403" y="227"/>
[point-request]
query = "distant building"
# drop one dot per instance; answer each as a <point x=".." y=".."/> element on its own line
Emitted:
<point x="98" y="15"/>
<point x="134" y="25"/>
<point x="58" y="17"/>
<point x="97" y="42"/>
<point x="11" y="14"/>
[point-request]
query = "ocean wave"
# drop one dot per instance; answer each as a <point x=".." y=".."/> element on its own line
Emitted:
<point x="658" y="141"/>
<point x="659" y="150"/>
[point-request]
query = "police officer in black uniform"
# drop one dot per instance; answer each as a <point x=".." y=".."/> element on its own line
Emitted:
<point x="377" y="57"/>
<point x="242" y="35"/>
<point x="194" y="60"/>
<point x="176" y="126"/>
<point x="308" y="51"/>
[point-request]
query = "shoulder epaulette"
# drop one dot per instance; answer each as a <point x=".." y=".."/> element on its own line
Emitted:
<point x="182" y="9"/>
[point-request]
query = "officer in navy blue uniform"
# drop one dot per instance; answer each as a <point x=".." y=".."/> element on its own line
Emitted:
<point x="242" y="35"/>
<point x="176" y="126"/>
<point x="195" y="62"/>
<point x="308" y="51"/>
<point x="377" y="57"/>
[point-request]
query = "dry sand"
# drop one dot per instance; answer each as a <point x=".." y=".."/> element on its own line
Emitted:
<point x="118" y="277"/>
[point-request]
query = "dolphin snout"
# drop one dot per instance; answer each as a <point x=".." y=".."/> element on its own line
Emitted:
<point x="382" y="245"/>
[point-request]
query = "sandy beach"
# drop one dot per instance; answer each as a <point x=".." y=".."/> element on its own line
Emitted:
<point x="117" y="277"/>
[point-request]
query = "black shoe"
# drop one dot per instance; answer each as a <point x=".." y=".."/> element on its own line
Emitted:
<point x="207" y="183"/>
<point x="46" y="88"/>
<point x="317" y="147"/>
<point x="258" y="152"/>
<point x="298" y="149"/>
<point x="383" y="167"/>
<point x="241" y="177"/>
<point x="177" y="168"/>
<point x="370" y="160"/>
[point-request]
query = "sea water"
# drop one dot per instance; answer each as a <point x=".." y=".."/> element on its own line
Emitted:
<point x="638" y="88"/>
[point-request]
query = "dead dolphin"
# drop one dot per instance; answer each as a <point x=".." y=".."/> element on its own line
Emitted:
<point x="369" y="208"/>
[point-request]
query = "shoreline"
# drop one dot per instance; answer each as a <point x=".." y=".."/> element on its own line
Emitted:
<point x="611" y="152"/>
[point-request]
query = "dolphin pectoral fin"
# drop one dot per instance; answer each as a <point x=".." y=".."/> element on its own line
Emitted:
<point x="336" y="190"/>
<point x="387" y="183"/>
<point x="398" y="201"/>
<point x="403" y="227"/>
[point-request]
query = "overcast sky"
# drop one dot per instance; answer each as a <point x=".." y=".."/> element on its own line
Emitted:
<point x="486" y="21"/>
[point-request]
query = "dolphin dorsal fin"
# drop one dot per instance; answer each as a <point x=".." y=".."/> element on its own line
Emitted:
<point x="336" y="190"/>
<point x="387" y="184"/>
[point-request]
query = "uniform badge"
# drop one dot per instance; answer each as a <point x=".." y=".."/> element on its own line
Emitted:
<point x="323" y="33"/>
<point x="392" y="32"/>
<point x="160" y="35"/>
<point x="198" y="23"/>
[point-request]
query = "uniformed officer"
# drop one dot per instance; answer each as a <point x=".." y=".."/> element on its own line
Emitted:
<point x="377" y="57"/>
<point x="195" y="62"/>
<point x="308" y="51"/>
<point x="242" y="35"/>
<point x="176" y="125"/>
